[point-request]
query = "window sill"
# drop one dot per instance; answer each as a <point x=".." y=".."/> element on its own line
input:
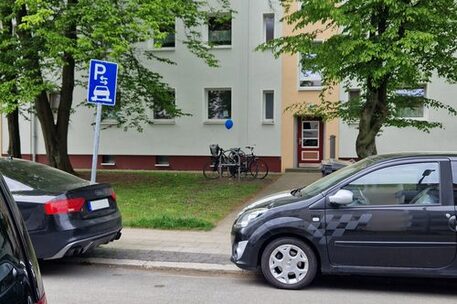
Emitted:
<point x="109" y="122"/>
<point x="108" y="164"/>
<point x="304" y="89"/>
<point x="162" y="165"/>
<point x="220" y="47"/>
<point x="164" y="49"/>
<point x="416" y="118"/>
<point x="268" y="122"/>
<point x="215" y="122"/>
<point x="163" y="122"/>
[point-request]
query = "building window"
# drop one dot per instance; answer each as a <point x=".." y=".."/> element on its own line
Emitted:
<point x="54" y="103"/>
<point x="220" y="30"/>
<point x="162" y="161"/>
<point x="219" y="103"/>
<point x="268" y="106"/>
<point x="415" y="109"/>
<point x="169" y="38"/>
<point x="308" y="78"/>
<point x="269" y="26"/>
<point x="108" y="160"/>
<point x="160" y="113"/>
<point x="354" y="94"/>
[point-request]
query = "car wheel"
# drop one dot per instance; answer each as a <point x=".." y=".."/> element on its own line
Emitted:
<point x="289" y="263"/>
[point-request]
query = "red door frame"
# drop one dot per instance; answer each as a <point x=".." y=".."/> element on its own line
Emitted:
<point x="300" y="148"/>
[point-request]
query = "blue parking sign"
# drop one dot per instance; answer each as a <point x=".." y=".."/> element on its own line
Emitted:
<point x="102" y="82"/>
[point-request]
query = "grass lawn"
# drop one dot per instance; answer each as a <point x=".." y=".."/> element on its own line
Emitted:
<point x="176" y="200"/>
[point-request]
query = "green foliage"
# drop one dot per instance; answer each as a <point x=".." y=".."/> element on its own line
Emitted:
<point x="105" y="29"/>
<point x="380" y="45"/>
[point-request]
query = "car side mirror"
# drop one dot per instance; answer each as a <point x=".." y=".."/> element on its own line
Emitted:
<point x="342" y="197"/>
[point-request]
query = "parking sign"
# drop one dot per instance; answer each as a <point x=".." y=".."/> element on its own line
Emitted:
<point x="102" y="82"/>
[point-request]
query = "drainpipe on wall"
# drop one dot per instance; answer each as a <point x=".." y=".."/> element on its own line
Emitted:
<point x="332" y="147"/>
<point x="33" y="136"/>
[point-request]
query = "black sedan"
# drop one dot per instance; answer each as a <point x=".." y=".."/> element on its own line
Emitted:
<point x="65" y="215"/>
<point x="20" y="278"/>
<point x="385" y="215"/>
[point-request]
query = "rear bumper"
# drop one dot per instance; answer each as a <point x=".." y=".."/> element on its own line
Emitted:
<point x="66" y="237"/>
<point x="84" y="245"/>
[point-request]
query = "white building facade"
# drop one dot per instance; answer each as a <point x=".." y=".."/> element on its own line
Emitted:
<point x="245" y="88"/>
<point x="393" y="140"/>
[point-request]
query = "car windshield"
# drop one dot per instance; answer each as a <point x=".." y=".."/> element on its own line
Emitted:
<point x="331" y="179"/>
<point x="25" y="176"/>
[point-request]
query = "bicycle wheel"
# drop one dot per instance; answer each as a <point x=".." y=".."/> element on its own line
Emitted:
<point x="259" y="169"/>
<point x="234" y="161"/>
<point x="211" y="170"/>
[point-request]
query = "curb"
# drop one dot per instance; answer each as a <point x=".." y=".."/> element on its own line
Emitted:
<point x="155" y="265"/>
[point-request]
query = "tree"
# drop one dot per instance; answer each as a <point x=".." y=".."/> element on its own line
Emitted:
<point x="16" y="86"/>
<point x="58" y="38"/>
<point x="385" y="46"/>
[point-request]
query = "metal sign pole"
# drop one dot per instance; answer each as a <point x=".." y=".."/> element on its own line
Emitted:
<point x="93" y="175"/>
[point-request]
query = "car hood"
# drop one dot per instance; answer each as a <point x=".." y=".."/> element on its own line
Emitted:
<point x="274" y="200"/>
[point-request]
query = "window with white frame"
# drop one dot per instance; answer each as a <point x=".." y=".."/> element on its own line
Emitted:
<point x="268" y="106"/>
<point x="308" y="78"/>
<point x="169" y="38"/>
<point x="219" y="103"/>
<point x="416" y="109"/>
<point x="354" y="94"/>
<point x="220" y="30"/>
<point x="160" y="112"/>
<point x="269" y="26"/>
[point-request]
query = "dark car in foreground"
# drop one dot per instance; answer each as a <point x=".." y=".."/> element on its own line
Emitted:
<point x="385" y="215"/>
<point x="65" y="215"/>
<point x="20" y="278"/>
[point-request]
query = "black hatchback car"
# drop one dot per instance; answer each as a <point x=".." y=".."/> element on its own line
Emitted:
<point x="385" y="215"/>
<point x="64" y="214"/>
<point x="20" y="279"/>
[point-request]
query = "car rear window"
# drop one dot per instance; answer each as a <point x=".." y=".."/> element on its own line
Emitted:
<point x="26" y="176"/>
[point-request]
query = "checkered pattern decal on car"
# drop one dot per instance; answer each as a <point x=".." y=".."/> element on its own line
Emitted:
<point x="337" y="225"/>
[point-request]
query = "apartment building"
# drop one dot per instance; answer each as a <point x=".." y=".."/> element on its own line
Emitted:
<point x="245" y="88"/>
<point x="305" y="141"/>
<point x="392" y="140"/>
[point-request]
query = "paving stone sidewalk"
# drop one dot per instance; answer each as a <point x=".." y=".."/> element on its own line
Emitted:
<point x="202" y="248"/>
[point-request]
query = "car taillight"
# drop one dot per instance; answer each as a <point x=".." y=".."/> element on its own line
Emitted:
<point x="43" y="300"/>
<point x="62" y="206"/>
<point x="113" y="195"/>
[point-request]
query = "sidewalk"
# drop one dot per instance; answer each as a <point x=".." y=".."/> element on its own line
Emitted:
<point x="203" y="251"/>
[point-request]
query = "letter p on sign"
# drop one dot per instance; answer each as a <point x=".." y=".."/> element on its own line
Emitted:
<point x="100" y="69"/>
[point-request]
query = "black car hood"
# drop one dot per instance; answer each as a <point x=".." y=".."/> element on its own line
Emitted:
<point x="274" y="200"/>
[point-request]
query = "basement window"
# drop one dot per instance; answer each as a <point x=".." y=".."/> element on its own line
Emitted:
<point x="162" y="161"/>
<point x="108" y="160"/>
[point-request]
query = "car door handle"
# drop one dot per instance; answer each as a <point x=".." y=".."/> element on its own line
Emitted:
<point x="453" y="223"/>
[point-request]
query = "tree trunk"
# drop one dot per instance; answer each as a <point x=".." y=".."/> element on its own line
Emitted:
<point x="55" y="134"/>
<point x="372" y="117"/>
<point x="14" y="148"/>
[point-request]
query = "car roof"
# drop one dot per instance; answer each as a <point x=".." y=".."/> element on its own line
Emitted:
<point x="400" y="155"/>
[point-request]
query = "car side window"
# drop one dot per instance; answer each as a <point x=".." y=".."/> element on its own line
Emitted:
<point x="8" y="251"/>
<point x="407" y="184"/>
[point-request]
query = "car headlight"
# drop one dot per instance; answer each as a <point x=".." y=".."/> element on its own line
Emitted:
<point x="249" y="216"/>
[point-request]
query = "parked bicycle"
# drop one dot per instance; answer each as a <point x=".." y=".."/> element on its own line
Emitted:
<point x="221" y="164"/>
<point x="235" y="163"/>
<point x="250" y="164"/>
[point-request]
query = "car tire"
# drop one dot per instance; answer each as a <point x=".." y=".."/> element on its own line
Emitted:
<point x="289" y="263"/>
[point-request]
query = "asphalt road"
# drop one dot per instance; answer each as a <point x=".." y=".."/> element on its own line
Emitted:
<point x="76" y="284"/>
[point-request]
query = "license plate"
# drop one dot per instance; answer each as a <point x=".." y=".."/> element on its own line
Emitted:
<point x="98" y="204"/>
